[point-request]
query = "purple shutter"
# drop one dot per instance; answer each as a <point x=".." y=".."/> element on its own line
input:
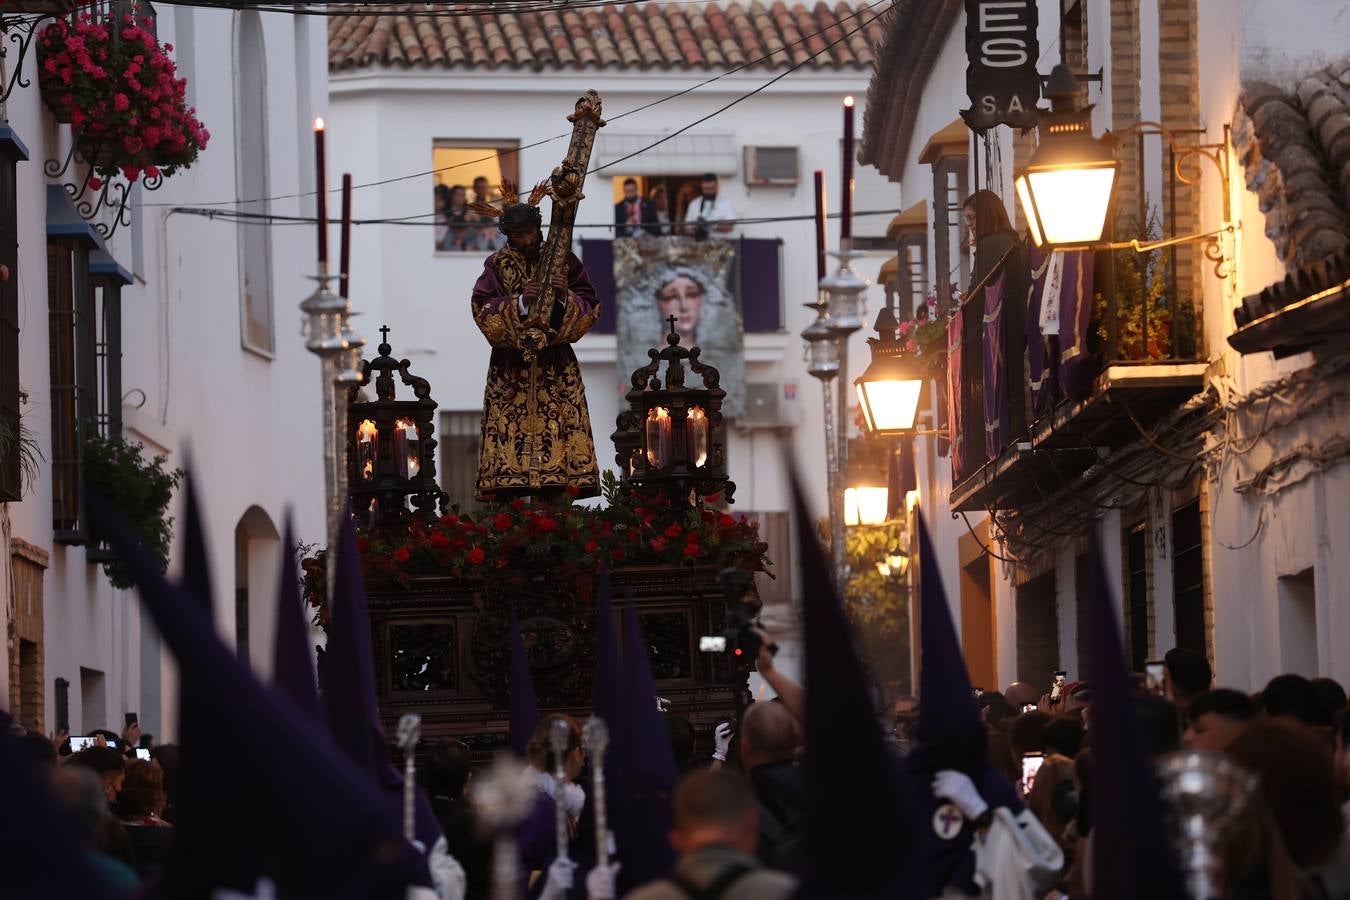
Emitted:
<point x="597" y="254"/>
<point x="761" y="284"/>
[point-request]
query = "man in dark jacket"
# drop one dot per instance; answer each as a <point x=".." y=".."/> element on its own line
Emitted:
<point x="768" y="747"/>
<point x="633" y="214"/>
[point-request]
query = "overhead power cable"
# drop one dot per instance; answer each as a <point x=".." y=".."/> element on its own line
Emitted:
<point x="229" y="215"/>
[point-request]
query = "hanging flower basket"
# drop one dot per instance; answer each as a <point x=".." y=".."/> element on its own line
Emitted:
<point x="119" y="91"/>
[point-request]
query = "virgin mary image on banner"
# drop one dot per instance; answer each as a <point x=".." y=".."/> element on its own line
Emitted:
<point x="655" y="279"/>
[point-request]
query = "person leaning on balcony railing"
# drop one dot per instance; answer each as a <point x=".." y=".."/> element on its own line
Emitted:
<point x="999" y="249"/>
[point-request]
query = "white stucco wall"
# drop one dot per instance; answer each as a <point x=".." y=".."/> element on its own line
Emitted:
<point x="252" y="423"/>
<point x="1248" y="40"/>
<point x="384" y="124"/>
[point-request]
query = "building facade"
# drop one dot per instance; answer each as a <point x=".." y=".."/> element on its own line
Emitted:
<point x="176" y="332"/>
<point x="750" y="95"/>
<point x="1202" y="440"/>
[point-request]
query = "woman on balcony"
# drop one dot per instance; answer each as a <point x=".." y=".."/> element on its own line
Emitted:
<point x="996" y="310"/>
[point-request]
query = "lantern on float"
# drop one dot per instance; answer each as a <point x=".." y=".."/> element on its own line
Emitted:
<point x="671" y="436"/>
<point x="390" y="452"/>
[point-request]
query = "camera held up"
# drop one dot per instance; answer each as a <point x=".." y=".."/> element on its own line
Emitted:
<point x="743" y="605"/>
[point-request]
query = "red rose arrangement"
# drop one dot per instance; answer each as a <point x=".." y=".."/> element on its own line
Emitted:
<point x="123" y="97"/>
<point x="634" y="529"/>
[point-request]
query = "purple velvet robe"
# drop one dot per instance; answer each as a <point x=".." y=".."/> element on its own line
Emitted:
<point x="536" y="430"/>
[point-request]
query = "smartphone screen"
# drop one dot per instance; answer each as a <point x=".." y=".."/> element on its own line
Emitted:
<point x="143" y="753"/>
<point x="1028" y="707"/>
<point x="79" y="743"/>
<point x="1057" y="687"/>
<point x="1031" y="764"/>
<point x="1153" y="674"/>
<point x="712" y="644"/>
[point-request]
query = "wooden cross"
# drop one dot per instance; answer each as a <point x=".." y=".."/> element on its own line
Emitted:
<point x="384" y="334"/>
<point x="672" y="320"/>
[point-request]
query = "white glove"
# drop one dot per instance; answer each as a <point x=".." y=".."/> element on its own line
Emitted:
<point x="600" y="882"/>
<point x="559" y="879"/>
<point x="957" y="787"/>
<point x="721" y="741"/>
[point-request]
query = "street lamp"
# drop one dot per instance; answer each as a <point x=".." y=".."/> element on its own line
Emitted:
<point x="897" y="560"/>
<point x="822" y="361"/>
<point x="1066" y="188"/>
<point x="889" y="389"/>
<point x="865" y="504"/>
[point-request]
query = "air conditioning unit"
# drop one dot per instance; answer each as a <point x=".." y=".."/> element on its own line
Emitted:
<point x="771" y="404"/>
<point x="772" y="166"/>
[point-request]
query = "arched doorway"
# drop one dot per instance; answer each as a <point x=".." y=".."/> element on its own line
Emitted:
<point x="257" y="558"/>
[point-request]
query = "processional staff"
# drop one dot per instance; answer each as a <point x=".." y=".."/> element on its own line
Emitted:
<point x="559" y="734"/>
<point x="595" y="737"/>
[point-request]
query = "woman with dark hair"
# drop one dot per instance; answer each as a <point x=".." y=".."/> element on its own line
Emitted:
<point x="1297" y="791"/>
<point x="442" y="229"/>
<point x="138" y="808"/>
<point x="988" y="231"/>
<point x="1000" y="262"/>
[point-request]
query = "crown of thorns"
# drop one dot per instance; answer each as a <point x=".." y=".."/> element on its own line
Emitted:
<point x="515" y="216"/>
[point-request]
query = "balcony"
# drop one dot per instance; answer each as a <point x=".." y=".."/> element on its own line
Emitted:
<point x="1126" y="359"/>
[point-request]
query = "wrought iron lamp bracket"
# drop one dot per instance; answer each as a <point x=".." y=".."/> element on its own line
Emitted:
<point x="113" y="193"/>
<point x="1187" y="155"/>
<point x="21" y="30"/>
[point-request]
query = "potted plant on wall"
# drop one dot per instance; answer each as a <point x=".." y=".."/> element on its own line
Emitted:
<point x="139" y="489"/>
<point x="118" y="88"/>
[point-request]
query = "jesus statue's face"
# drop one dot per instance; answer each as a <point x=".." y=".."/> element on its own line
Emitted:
<point x="527" y="242"/>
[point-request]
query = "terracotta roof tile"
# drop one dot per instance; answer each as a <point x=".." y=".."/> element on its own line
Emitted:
<point x="651" y="36"/>
<point x="1295" y="150"/>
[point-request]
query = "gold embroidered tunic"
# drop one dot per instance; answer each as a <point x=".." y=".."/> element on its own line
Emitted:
<point x="536" y="430"/>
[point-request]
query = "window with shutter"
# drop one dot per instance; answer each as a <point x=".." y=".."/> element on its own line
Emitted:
<point x="74" y="377"/>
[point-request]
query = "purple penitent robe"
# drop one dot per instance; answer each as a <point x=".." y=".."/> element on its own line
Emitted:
<point x="536" y="430"/>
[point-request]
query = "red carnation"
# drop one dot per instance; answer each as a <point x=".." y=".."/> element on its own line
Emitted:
<point x="692" y="549"/>
<point x="439" y="539"/>
<point x="401" y="555"/>
<point x="659" y="544"/>
<point x="547" y="525"/>
<point x="674" y="531"/>
<point x="591" y="547"/>
<point x="502" y="521"/>
<point x="517" y="505"/>
<point x="725" y="520"/>
<point x="476" y="556"/>
<point x="95" y="183"/>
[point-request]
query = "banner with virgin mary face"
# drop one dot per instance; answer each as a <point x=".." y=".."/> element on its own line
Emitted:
<point x="691" y="280"/>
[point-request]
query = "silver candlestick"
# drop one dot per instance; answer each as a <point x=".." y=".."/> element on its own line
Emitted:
<point x="1205" y="793"/>
<point x="502" y="798"/>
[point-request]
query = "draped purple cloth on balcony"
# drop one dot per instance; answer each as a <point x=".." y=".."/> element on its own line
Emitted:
<point x="995" y="369"/>
<point x="1040" y="365"/>
<point x="1077" y="366"/>
<point x="954" y="417"/>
